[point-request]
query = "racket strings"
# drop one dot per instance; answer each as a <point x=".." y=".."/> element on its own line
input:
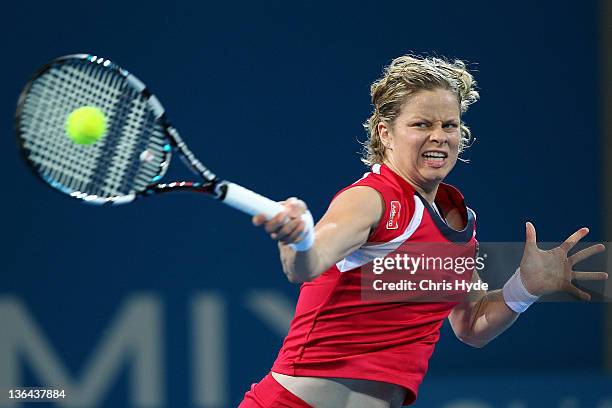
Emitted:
<point x="111" y="170"/>
<point x="126" y="170"/>
<point x="51" y="98"/>
<point x="131" y="155"/>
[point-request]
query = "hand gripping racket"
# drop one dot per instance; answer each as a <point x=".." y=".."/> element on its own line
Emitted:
<point x="129" y="161"/>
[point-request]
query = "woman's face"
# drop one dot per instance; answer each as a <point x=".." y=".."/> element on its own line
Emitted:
<point x="423" y="142"/>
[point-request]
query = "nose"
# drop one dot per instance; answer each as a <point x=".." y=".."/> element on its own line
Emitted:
<point x="438" y="134"/>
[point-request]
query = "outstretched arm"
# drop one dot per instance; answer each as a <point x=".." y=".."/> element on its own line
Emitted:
<point x="346" y="225"/>
<point x="488" y="314"/>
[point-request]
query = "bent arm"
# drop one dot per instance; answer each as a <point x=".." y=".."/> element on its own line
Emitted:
<point x="346" y="225"/>
<point x="481" y="319"/>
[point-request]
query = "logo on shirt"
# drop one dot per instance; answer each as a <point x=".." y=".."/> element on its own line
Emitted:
<point x="394" y="215"/>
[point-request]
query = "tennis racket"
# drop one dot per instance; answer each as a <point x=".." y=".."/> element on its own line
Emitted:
<point x="129" y="161"/>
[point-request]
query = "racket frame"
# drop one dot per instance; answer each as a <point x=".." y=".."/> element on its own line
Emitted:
<point x="231" y="194"/>
<point x="210" y="183"/>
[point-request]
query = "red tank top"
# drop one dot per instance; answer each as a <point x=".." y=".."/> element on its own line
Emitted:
<point x="334" y="333"/>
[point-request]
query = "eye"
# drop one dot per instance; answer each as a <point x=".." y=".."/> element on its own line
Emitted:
<point x="421" y="125"/>
<point x="450" y="127"/>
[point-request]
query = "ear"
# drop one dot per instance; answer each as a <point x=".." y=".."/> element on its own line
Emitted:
<point x="384" y="133"/>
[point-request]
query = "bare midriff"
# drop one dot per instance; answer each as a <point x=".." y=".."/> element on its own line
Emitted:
<point x="342" y="392"/>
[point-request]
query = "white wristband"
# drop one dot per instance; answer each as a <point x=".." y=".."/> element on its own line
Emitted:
<point x="516" y="296"/>
<point x="307" y="235"/>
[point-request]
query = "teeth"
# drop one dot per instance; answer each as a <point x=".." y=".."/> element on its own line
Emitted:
<point x="434" y="155"/>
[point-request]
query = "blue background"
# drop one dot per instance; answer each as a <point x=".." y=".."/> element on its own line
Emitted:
<point x="272" y="95"/>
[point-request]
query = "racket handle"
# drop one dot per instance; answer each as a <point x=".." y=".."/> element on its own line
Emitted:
<point x="252" y="203"/>
<point x="248" y="201"/>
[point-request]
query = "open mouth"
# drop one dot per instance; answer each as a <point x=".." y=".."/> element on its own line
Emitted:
<point x="435" y="159"/>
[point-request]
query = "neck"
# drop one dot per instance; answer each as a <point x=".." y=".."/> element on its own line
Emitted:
<point x="427" y="192"/>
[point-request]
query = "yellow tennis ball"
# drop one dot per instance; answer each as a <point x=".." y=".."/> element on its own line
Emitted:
<point x="86" y="125"/>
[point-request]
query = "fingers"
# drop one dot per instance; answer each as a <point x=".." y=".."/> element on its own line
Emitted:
<point x="272" y="223"/>
<point x="291" y="232"/>
<point x="580" y="294"/>
<point x="286" y="226"/>
<point x="275" y="223"/>
<point x="530" y="239"/>
<point x="281" y="228"/>
<point x="573" y="239"/>
<point x="258" y="219"/>
<point x="597" y="276"/>
<point x="288" y="230"/>
<point x="295" y="207"/>
<point x="530" y="233"/>
<point x="586" y="253"/>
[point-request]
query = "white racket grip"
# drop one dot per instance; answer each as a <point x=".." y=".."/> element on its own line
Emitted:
<point x="250" y="202"/>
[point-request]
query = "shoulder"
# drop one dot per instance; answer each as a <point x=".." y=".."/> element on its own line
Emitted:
<point x="395" y="201"/>
<point x="358" y="204"/>
<point x="382" y="180"/>
<point x="376" y="186"/>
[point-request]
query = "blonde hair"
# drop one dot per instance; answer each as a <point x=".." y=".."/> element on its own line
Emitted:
<point x="405" y="76"/>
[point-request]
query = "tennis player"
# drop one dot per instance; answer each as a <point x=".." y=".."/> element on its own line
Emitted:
<point x="343" y="352"/>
